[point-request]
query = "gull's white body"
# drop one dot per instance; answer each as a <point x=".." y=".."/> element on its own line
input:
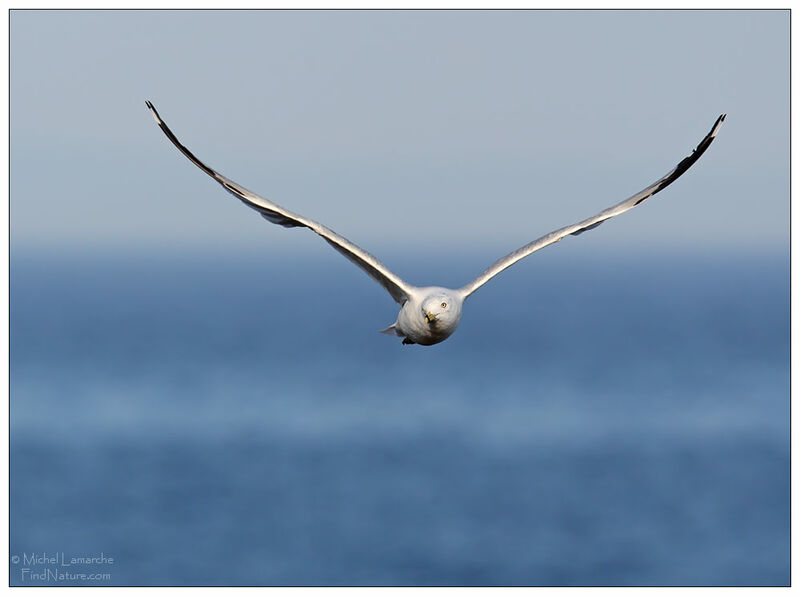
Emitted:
<point x="430" y="315"/>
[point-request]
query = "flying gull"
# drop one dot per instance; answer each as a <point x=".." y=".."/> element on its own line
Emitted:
<point x="430" y="315"/>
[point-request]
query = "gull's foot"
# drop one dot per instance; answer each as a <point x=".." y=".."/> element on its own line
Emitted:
<point x="407" y="341"/>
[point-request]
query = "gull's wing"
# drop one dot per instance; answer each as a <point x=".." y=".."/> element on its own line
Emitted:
<point x="399" y="289"/>
<point x="596" y="220"/>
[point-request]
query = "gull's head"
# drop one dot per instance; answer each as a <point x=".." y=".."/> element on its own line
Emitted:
<point x="441" y="310"/>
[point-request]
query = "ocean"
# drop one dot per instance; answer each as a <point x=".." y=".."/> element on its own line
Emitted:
<point x="230" y="420"/>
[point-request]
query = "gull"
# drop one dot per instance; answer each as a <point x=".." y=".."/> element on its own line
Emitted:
<point x="429" y="315"/>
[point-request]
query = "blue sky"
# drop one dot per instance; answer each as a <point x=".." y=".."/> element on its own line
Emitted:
<point x="451" y="131"/>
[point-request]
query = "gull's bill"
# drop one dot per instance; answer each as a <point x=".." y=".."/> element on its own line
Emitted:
<point x="430" y="315"/>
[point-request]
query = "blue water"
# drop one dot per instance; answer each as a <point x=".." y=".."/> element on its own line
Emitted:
<point x="227" y="420"/>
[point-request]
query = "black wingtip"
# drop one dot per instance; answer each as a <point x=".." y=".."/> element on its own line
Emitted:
<point x="153" y="112"/>
<point x="717" y="124"/>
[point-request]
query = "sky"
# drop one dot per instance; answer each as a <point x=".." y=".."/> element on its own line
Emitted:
<point x="410" y="131"/>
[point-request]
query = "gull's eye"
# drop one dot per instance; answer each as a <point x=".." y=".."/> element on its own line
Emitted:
<point x="444" y="304"/>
